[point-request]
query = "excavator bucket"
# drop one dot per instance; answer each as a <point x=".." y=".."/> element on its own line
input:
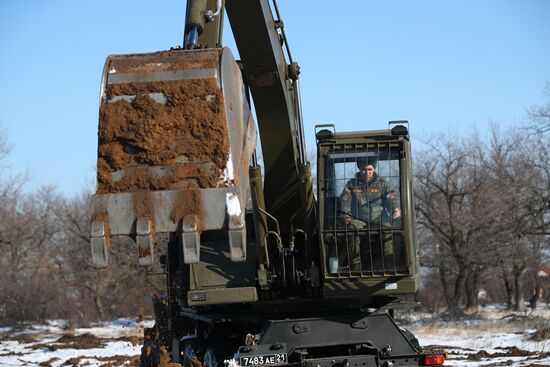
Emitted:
<point x="174" y="142"/>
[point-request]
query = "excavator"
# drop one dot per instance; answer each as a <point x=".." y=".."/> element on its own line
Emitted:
<point x="259" y="270"/>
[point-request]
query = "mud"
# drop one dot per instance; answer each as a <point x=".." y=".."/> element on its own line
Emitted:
<point x="11" y="354"/>
<point x="509" y="352"/>
<point x="75" y="361"/>
<point x="49" y="362"/>
<point x="118" y="360"/>
<point x="111" y="361"/>
<point x="103" y="216"/>
<point x="134" y="340"/>
<point x="186" y="137"/>
<point x="164" y="61"/>
<point x="68" y="341"/>
<point x="142" y="204"/>
<point x="188" y="202"/>
<point x="21" y="338"/>
<point x="479" y="355"/>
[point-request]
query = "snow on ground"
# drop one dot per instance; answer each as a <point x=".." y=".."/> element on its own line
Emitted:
<point x="494" y="337"/>
<point x="54" y="344"/>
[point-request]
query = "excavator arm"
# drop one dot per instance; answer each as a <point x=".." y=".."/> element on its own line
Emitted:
<point x="273" y="82"/>
<point x="273" y="79"/>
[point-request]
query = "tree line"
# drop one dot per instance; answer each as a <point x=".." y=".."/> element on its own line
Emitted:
<point x="46" y="266"/>
<point x="483" y="213"/>
<point x="482" y="204"/>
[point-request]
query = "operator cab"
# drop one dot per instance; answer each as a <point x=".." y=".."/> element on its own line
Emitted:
<point x="366" y="208"/>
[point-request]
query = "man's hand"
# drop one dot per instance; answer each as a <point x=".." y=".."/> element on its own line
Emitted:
<point x="396" y="213"/>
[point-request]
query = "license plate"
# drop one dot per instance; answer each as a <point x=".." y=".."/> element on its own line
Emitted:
<point x="265" y="359"/>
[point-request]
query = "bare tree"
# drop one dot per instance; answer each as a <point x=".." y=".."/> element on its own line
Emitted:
<point x="116" y="290"/>
<point x="453" y="215"/>
<point x="535" y="181"/>
<point x="539" y="161"/>
<point x="45" y="259"/>
<point x="28" y="232"/>
<point x="539" y="116"/>
<point x="483" y="213"/>
<point x="4" y="146"/>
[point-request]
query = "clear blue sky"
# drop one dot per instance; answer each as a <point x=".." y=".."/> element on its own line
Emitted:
<point x="443" y="65"/>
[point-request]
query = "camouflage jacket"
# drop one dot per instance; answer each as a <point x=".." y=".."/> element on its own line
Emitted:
<point x="368" y="201"/>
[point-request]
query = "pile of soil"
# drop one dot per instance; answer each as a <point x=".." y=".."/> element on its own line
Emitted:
<point x="83" y="341"/>
<point x="49" y="362"/>
<point x="11" y="354"/>
<point x="185" y="138"/>
<point x="21" y="338"/>
<point x="75" y="361"/>
<point x="118" y="360"/>
<point x="510" y="352"/>
<point x="479" y="355"/>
